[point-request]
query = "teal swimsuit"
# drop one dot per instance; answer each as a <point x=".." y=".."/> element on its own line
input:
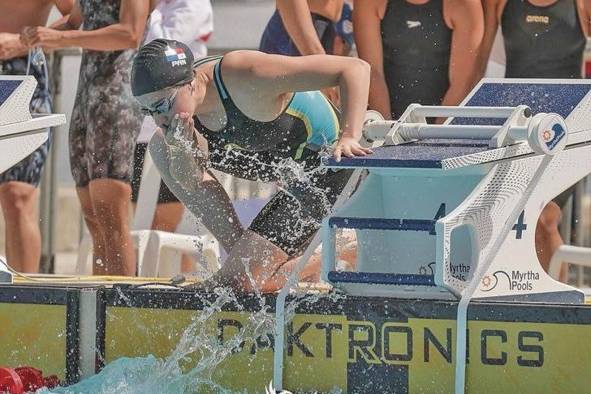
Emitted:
<point x="261" y="151"/>
<point x="309" y="121"/>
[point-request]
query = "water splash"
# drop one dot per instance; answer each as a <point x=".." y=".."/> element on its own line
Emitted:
<point x="192" y="365"/>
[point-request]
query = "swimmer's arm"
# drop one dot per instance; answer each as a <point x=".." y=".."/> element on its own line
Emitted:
<point x="199" y="191"/>
<point x="297" y="19"/>
<point x="491" y="25"/>
<point x="467" y="21"/>
<point x="273" y="76"/>
<point x="126" y="34"/>
<point x="367" y="19"/>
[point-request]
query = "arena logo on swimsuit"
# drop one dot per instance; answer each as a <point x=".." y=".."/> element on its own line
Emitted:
<point x="537" y="19"/>
<point x="176" y="56"/>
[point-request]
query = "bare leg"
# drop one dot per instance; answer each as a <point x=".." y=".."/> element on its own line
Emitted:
<point x="167" y="216"/>
<point x="23" y="238"/>
<point x="548" y="238"/>
<point x="205" y="198"/>
<point x="98" y="242"/>
<point x="256" y="257"/>
<point x="110" y="200"/>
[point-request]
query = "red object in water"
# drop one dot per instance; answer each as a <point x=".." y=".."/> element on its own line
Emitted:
<point x="24" y="379"/>
<point x="10" y="382"/>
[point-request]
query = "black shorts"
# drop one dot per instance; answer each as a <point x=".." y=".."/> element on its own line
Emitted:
<point x="164" y="195"/>
<point x="308" y="192"/>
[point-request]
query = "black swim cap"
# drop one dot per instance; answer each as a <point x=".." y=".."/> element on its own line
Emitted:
<point x="160" y="64"/>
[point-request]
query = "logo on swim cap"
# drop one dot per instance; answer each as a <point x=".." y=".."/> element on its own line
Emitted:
<point x="176" y="56"/>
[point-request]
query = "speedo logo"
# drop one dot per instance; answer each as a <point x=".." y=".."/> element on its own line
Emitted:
<point x="553" y="136"/>
<point x="537" y="19"/>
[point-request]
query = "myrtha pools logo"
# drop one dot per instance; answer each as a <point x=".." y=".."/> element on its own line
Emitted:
<point x="176" y="56"/>
<point x="553" y="136"/>
<point x="517" y="280"/>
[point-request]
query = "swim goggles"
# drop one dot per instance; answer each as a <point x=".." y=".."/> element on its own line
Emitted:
<point x="160" y="107"/>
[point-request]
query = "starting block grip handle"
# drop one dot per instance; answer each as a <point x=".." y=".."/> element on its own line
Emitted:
<point x="422" y="131"/>
<point x="431" y="111"/>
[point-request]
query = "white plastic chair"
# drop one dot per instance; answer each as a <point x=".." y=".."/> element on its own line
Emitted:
<point x="568" y="254"/>
<point x="152" y="246"/>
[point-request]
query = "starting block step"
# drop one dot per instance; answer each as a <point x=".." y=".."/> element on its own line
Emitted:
<point x="20" y="131"/>
<point x="375" y="278"/>
<point x="382" y="224"/>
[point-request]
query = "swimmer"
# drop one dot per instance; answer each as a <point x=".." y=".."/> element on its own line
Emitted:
<point x="189" y="21"/>
<point x="259" y="117"/>
<point x="543" y="39"/>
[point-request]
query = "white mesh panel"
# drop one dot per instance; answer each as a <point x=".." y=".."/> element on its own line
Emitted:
<point x="16" y="107"/>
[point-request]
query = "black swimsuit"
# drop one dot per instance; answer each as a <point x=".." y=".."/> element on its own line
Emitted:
<point x="543" y="42"/>
<point x="416" y="48"/>
<point x="286" y="150"/>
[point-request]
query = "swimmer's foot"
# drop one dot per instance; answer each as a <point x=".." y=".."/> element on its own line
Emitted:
<point x="263" y="279"/>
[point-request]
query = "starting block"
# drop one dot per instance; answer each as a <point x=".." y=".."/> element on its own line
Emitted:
<point x="448" y="207"/>
<point x="20" y="131"/>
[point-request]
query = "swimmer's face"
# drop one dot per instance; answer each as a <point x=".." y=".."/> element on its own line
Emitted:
<point x="165" y="104"/>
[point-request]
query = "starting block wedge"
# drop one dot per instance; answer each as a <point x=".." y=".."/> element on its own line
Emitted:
<point x="20" y="131"/>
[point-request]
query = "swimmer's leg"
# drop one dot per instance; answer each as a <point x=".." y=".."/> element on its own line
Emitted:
<point x="205" y="197"/>
<point x="257" y="263"/>
<point x="253" y="263"/>
<point x="347" y="255"/>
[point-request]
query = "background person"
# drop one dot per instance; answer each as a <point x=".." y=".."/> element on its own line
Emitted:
<point x="18" y="185"/>
<point x="300" y="27"/>
<point x="105" y="121"/>
<point x="344" y="40"/>
<point x="420" y="51"/>
<point x="190" y="22"/>
<point x="543" y="39"/>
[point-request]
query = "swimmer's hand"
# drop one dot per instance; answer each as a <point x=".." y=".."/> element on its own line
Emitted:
<point x="349" y="147"/>
<point x="186" y="161"/>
